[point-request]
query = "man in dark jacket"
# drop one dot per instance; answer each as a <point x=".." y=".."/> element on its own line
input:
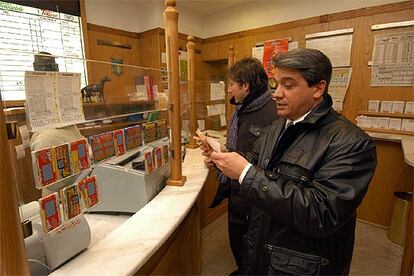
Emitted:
<point x="254" y="110"/>
<point x="305" y="177"/>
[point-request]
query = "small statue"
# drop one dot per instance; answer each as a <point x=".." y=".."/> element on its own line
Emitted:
<point x="93" y="89"/>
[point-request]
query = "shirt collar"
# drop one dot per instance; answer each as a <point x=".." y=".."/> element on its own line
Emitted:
<point x="300" y="119"/>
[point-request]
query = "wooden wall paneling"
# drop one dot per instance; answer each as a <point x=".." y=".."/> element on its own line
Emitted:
<point x="359" y="84"/>
<point x="389" y="177"/>
<point x="150" y="55"/>
<point x="120" y="86"/>
<point x="396" y="16"/>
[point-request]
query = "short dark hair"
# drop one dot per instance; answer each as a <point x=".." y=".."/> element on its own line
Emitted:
<point x="312" y="64"/>
<point x="251" y="71"/>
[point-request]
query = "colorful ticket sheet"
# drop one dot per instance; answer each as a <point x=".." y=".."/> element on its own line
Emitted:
<point x="63" y="161"/>
<point x="89" y="191"/>
<point x="119" y="142"/>
<point x="79" y="155"/>
<point x="44" y="166"/>
<point x="149" y="162"/>
<point x="102" y="146"/>
<point x="133" y="137"/>
<point x="70" y="201"/>
<point x="50" y="212"/>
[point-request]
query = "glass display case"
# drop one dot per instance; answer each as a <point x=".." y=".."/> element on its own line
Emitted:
<point x="84" y="144"/>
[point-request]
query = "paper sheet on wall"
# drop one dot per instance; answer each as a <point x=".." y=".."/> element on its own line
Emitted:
<point x="69" y="98"/>
<point x="215" y="109"/>
<point x="223" y="121"/>
<point x="393" y="60"/>
<point x="293" y="45"/>
<point x="217" y="90"/>
<point x="41" y="107"/>
<point x="20" y="152"/>
<point x="337" y="48"/>
<point x="183" y="58"/>
<point x="257" y="52"/>
<point x="201" y="124"/>
<point x="53" y="99"/>
<point x="25" y="135"/>
<point x="339" y="85"/>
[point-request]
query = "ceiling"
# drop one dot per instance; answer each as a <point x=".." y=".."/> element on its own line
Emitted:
<point x="209" y="7"/>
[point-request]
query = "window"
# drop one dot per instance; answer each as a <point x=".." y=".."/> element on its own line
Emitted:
<point x="25" y="31"/>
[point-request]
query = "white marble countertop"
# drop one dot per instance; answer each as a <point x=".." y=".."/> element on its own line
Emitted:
<point x="407" y="143"/>
<point x="129" y="246"/>
<point x="408" y="149"/>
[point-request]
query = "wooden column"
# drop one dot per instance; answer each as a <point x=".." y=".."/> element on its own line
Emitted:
<point x="13" y="259"/>
<point x="191" y="88"/>
<point x="229" y="107"/>
<point x="171" y="42"/>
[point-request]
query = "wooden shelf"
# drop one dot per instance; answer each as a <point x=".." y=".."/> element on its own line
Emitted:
<point x="14" y="111"/>
<point x="118" y="103"/>
<point x="210" y="101"/>
<point x="388" y="131"/>
<point x="383" y="114"/>
<point x="87" y="130"/>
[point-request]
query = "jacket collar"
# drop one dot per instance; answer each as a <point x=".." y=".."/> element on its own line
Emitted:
<point x="320" y="110"/>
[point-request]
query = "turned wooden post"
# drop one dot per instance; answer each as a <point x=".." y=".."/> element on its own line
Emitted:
<point x="12" y="249"/>
<point x="229" y="107"/>
<point x="191" y="88"/>
<point x="171" y="42"/>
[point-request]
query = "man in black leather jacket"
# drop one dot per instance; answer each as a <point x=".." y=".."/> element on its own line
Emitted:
<point x="305" y="177"/>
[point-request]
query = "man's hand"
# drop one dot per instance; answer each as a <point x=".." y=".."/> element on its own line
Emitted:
<point x="231" y="164"/>
<point x="204" y="145"/>
<point x="208" y="163"/>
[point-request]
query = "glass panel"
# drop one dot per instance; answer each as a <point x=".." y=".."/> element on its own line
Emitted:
<point x="86" y="146"/>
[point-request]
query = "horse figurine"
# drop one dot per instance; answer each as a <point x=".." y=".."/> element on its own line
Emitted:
<point x="93" y="89"/>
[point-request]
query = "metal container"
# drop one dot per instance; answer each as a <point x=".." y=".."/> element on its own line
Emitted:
<point x="398" y="226"/>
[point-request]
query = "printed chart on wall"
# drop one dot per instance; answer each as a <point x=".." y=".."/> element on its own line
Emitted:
<point x="26" y="31"/>
<point x="334" y="44"/>
<point x="393" y="60"/>
<point x="53" y="99"/>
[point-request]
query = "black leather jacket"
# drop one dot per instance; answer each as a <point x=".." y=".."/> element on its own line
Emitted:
<point x="305" y="198"/>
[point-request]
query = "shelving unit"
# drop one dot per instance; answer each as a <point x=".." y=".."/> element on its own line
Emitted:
<point x="383" y="114"/>
<point x="390" y="115"/>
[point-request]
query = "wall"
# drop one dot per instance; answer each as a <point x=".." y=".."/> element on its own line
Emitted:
<point x="143" y="15"/>
<point x="265" y="13"/>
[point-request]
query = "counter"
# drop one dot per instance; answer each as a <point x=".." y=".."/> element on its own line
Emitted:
<point x="407" y="143"/>
<point x="126" y="249"/>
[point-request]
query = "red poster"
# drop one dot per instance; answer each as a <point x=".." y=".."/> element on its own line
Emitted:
<point x="271" y="49"/>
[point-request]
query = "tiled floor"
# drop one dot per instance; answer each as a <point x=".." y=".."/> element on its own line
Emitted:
<point x="374" y="254"/>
